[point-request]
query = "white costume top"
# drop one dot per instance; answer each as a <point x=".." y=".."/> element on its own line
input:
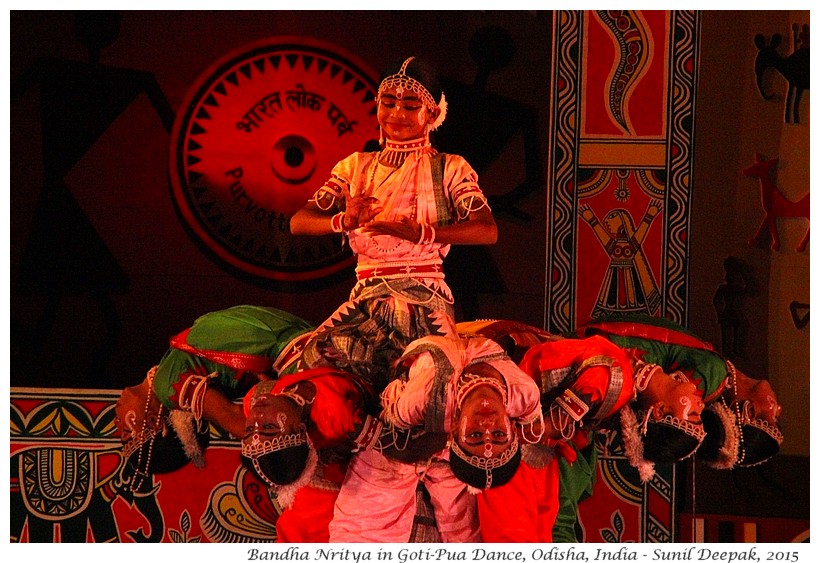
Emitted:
<point x="438" y="361"/>
<point x="436" y="189"/>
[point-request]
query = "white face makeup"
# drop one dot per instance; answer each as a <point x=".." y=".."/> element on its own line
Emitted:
<point x="681" y="400"/>
<point x="763" y="403"/>
<point x="774" y="407"/>
<point x="130" y="425"/>
<point x="687" y="406"/>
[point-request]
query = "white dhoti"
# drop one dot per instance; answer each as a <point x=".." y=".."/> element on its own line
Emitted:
<point x="377" y="502"/>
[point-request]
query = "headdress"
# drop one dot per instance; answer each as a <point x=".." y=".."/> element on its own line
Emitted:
<point x="286" y="494"/>
<point x="767" y="437"/>
<point x="402" y="81"/>
<point x="258" y="447"/>
<point x="633" y="444"/>
<point x="696" y="431"/>
<point x="668" y="439"/>
<point x="643" y="376"/>
<point x="721" y="447"/>
<point x="482" y="473"/>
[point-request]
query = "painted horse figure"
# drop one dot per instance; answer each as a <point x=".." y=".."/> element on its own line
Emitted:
<point x="775" y="203"/>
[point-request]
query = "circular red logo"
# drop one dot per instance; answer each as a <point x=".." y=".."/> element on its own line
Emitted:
<point x="257" y="135"/>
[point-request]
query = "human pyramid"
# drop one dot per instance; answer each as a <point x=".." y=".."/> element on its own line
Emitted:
<point x="390" y="422"/>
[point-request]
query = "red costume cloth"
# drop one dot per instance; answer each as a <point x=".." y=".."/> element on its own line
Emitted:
<point x="603" y="390"/>
<point x="308" y="518"/>
<point x="525" y="508"/>
<point x="336" y="415"/>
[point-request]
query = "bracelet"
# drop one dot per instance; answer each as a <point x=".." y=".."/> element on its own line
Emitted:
<point x="643" y="374"/>
<point x="195" y="403"/>
<point x="337" y="222"/>
<point x="427" y="235"/>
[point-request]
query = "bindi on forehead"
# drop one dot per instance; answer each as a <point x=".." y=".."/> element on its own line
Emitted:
<point x="401" y="94"/>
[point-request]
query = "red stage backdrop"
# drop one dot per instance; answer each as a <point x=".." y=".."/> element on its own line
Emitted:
<point x="260" y="130"/>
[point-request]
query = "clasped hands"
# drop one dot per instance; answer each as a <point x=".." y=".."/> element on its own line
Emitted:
<point x="361" y="210"/>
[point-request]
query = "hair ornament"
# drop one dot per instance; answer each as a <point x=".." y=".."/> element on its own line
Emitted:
<point x="257" y="447"/>
<point x="729" y="450"/>
<point x="184" y="424"/>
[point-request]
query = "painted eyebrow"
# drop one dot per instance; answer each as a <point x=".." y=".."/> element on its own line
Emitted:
<point x="493" y="442"/>
<point x="496" y="441"/>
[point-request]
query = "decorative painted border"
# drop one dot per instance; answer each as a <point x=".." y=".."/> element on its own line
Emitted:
<point x="562" y="167"/>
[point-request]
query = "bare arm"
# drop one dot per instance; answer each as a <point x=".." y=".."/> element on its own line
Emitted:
<point x="311" y="220"/>
<point x="315" y="220"/>
<point x="479" y="229"/>
<point x="588" y="215"/>
<point x="229" y="416"/>
<point x="651" y="212"/>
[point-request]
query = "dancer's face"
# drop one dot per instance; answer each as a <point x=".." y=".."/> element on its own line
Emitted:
<point x="131" y="410"/>
<point x="402" y="115"/>
<point x="682" y="400"/>
<point x="483" y="427"/>
<point x="271" y="416"/>
<point x="763" y="402"/>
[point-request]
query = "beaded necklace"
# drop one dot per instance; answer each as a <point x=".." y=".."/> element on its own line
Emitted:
<point x="396" y="152"/>
<point x="736" y="405"/>
<point x="151" y="426"/>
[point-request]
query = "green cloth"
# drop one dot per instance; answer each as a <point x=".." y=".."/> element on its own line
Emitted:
<point x="245" y="329"/>
<point x="705" y="367"/>
<point x="577" y="480"/>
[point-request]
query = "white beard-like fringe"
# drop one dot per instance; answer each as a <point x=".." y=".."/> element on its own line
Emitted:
<point x="184" y="424"/>
<point x="286" y="494"/>
<point x="633" y="445"/>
